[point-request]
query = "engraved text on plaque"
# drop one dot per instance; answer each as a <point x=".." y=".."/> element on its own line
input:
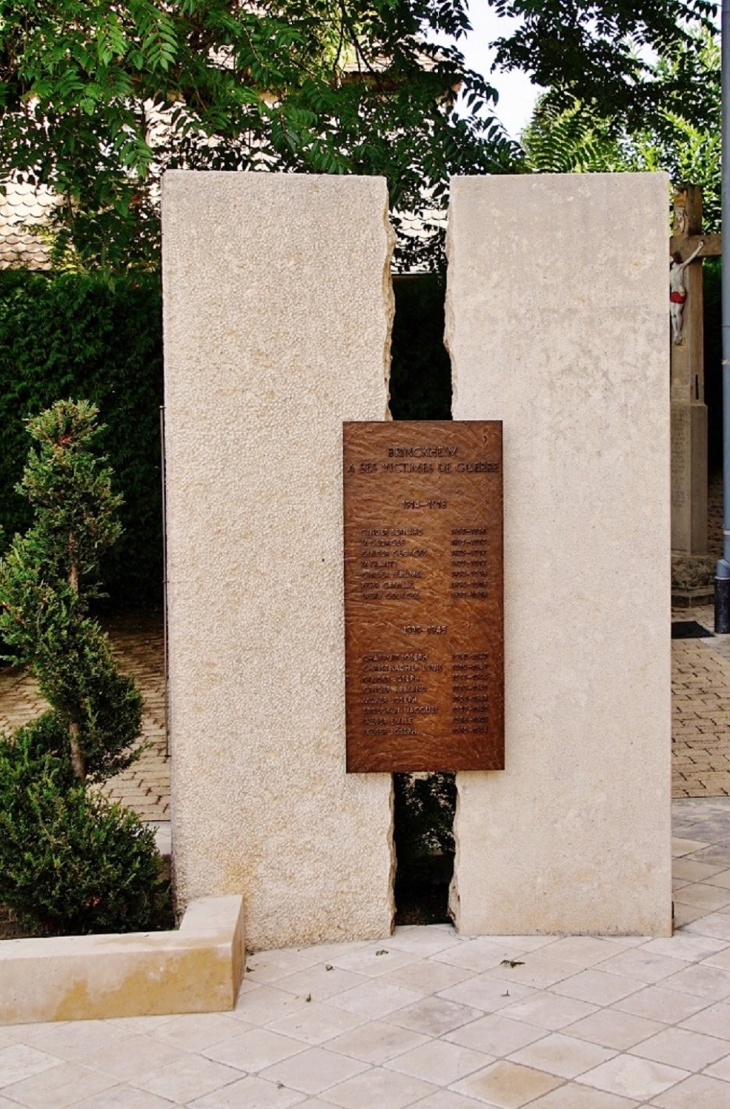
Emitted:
<point x="423" y="595"/>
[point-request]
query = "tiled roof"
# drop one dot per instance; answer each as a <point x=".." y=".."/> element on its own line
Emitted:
<point x="26" y="206"/>
<point x="22" y="207"/>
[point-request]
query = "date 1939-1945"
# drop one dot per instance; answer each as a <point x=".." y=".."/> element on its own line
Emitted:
<point x="416" y="629"/>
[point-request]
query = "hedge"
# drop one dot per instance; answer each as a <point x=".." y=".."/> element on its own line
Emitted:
<point x="79" y="336"/>
<point x="84" y="337"/>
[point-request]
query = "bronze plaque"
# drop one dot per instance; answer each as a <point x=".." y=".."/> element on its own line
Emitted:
<point x="423" y="595"/>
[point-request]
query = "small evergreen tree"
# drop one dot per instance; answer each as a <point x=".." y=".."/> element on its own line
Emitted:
<point x="70" y="861"/>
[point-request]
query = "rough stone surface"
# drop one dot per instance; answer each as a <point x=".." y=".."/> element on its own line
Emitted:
<point x="197" y="969"/>
<point x="689" y="475"/>
<point x="278" y="309"/>
<point x="557" y="325"/>
<point x="693" y="572"/>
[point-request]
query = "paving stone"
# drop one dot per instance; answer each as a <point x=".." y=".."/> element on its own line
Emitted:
<point x="614" y="1029"/>
<point x="496" y="1035"/>
<point x="629" y="1076"/>
<point x="697" y="1091"/>
<point x="377" y="1042"/>
<point x="434" y="1016"/>
<point x="314" y="1070"/>
<point x="701" y="694"/>
<point x="573" y="1096"/>
<point x="440" y="1062"/>
<point x="481" y="1040"/>
<point x="378" y="1088"/>
<point x="681" y="1046"/>
<point x="507" y="1085"/>
<point x="562" y="1055"/>
<point x="19" y="1061"/>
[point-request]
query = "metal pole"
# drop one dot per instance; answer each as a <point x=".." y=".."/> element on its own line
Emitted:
<point x="722" y="581"/>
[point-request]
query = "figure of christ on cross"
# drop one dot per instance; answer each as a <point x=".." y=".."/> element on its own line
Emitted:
<point x="689" y="244"/>
<point x="678" y="290"/>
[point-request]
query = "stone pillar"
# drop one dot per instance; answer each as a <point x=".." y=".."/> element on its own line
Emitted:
<point x="557" y="325"/>
<point x="278" y="308"/>
<point x="689" y="475"/>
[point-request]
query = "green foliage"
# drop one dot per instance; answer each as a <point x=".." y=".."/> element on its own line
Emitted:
<point x="72" y="662"/>
<point x="424" y="816"/>
<point x="425" y="807"/>
<point x="82" y="335"/>
<point x="47" y="578"/>
<point x="96" y="101"/>
<point x="684" y="137"/>
<point x="71" y="863"/>
<point x="628" y="60"/>
<point x="571" y="140"/>
<point x="70" y="492"/>
<point x="681" y="135"/>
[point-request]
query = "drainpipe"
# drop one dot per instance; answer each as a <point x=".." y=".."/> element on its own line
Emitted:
<point x="722" y="580"/>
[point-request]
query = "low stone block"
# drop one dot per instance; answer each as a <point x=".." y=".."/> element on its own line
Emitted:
<point x="197" y="969"/>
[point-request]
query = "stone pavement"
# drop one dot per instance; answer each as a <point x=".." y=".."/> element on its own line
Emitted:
<point x="700" y="710"/>
<point x="429" y="1019"/>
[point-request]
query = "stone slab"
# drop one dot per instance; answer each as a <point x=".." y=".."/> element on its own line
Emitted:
<point x="277" y="317"/>
<point x="557" y="325"/>
<point x="197" y="969"/>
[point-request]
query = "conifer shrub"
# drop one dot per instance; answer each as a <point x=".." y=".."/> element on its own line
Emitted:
<point x="89" y="335"/>
<point x="70" y="861"/>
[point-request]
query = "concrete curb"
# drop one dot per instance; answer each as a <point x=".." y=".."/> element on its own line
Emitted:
<point x="197" y="969"/>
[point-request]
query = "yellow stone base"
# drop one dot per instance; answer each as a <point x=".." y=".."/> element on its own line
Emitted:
<point x="197" y="969"/>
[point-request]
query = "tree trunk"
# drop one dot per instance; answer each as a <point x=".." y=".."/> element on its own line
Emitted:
<point x="78" y="762"/>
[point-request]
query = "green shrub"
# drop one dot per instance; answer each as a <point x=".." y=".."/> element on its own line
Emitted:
<point x="80" y="335"/>
<point x="71" y="862"/>
<point x="47" y="579"/>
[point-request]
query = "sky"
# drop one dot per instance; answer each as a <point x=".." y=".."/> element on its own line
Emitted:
<point x="517" y="95"/>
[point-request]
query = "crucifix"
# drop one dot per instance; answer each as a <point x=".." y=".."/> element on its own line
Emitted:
<point x="688" y="246"/>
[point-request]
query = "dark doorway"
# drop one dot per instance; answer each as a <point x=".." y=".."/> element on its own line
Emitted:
<point x="420" y="389"/>
<point x="424" y="845"/>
